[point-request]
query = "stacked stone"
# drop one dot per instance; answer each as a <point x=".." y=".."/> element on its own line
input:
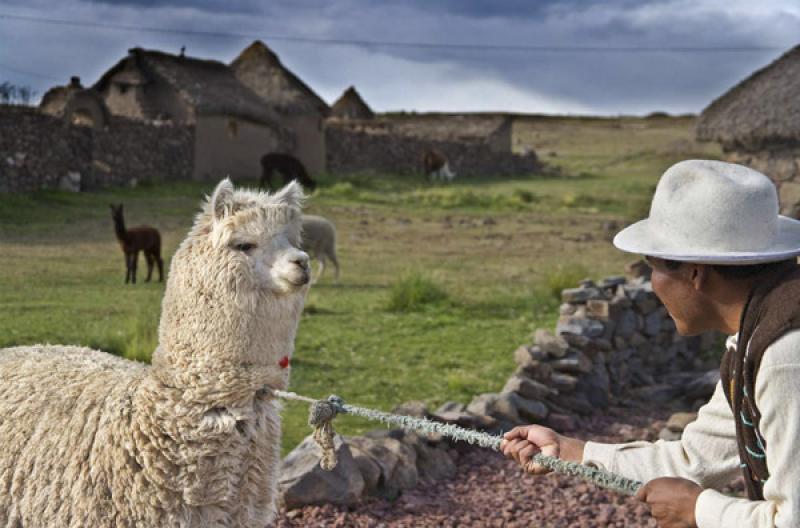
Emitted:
<point x="38" y="151"/>
<point x="613" y="343"/>
<point x="782" y="165"/>
<point x="376" y="146"/>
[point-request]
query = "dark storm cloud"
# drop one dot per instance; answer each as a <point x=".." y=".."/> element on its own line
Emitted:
<point x="397" y="77"/>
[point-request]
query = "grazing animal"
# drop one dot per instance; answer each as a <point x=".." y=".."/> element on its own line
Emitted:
<point x="288" y="166"/>
<point x="193" y="440"/>
<point x="319" y="241"/>
<point x="139" y="238"/>
<point x="435" y="166"/>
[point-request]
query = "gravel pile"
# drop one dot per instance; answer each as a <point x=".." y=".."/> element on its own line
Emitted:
<point x="489" y="490"/>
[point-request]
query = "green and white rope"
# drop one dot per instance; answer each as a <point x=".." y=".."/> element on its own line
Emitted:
<point x="322" y="413"/>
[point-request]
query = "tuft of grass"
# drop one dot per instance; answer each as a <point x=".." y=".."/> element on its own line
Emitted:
<point x="563" y="277"/>
<point x="413" y="292"/>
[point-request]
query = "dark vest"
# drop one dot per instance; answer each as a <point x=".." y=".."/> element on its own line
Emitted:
<point x="772" y="310"/>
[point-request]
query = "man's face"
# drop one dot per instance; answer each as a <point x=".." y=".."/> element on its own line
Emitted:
<point x="676" y="288"/>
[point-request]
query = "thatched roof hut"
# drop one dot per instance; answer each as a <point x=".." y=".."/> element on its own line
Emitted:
<point x="201" y="87"/>
<point x="351" y="106"/>
<point x="259" y="68"/>
<point x="763" y="110"/>
<point x="55" y="100"/>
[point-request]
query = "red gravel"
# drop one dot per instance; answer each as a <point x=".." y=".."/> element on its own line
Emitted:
<point x="489" y="490"/>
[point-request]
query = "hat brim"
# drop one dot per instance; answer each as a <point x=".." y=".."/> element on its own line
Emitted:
<point x="640" y="238"/>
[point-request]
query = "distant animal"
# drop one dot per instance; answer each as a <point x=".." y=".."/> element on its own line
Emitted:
<point x="139" y="238"/>
<point x="435" y="166"/>
<point x="288" y="166"/>
<point x="193" y="439"/>
<point x="319" y="241"/>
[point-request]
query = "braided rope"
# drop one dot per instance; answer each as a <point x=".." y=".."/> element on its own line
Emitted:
<point x="322" y="413"/>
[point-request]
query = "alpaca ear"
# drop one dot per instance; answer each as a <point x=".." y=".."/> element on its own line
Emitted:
<point x="222" y="199"/>
<point x="291" y="195"/>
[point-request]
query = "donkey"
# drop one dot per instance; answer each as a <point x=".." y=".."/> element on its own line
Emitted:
<point x="139" y="238"/>
<point x="288" y="166"/>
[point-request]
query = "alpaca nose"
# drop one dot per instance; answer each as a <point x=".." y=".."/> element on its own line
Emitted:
<point x="302" y="262"/>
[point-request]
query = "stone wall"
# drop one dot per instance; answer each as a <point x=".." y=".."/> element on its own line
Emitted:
<point x="782" y="165"/>
<point x="614" y="343"/>
<point x="39" y="151"/>
<point x="384" y="147"/>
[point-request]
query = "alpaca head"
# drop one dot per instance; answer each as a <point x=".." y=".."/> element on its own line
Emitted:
<point x="237" y="283"/>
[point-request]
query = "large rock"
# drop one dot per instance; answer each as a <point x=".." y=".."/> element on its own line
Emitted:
<point x="575" y="362"/>
<point x="528" y="388"/>
<point x="304" y="482"/>
<point x="369" y="468"/>
<point x="553" y="346"/>
<point x="579" y="326"/>
<point x="414" y="408"/>
<point x="580" y="295"/>
<point x="468" y="420"/>
<point x="396" y="460"/>
<point x="432" y="462"/>
<point x="532" y="411"/>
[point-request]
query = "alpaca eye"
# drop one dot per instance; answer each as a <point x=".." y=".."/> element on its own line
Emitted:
<point x="244" y="246"/>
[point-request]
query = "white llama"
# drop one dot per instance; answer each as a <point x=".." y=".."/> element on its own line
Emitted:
<point x="88" y="439"/>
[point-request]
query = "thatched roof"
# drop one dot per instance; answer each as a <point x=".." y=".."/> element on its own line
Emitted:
<point x="207" y="86"/>
<point x="56" y="98"/>
<point x="762" y="110"/>
<point x="259" y="68"/>
<point x="351" y="106"/>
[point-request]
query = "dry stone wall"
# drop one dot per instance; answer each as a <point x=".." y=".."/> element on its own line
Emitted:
<point x="39" y="151"/>
<point x="614" y="343"/>
<point x="782" y="165"/>
<point x="381" y="147"/>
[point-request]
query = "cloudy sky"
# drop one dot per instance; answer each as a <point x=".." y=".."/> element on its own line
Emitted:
<point x="538" y="56"/>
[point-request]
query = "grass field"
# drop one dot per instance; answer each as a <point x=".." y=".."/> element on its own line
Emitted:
<point x="494" y="250"/>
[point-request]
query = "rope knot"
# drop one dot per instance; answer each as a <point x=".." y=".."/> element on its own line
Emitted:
<point x="320" y="417"/>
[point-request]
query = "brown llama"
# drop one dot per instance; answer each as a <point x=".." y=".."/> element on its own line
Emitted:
<point x="139" y="238"/>
<point x="288" y="166"/>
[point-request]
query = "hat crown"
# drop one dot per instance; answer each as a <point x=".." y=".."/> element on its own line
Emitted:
<point x="703" y="205"/>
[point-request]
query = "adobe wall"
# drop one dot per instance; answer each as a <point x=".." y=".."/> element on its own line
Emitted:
<point x="384" y="147"/>
<point x="39" y="151"/>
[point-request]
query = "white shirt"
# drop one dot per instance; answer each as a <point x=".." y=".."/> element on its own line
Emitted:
<point x="707" y="452"/>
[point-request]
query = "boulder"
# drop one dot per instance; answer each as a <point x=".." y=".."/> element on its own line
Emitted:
<point x="580" y="295"/>
<point x="396" y="460"/>
<point x="563" y="382"/>
<point x="303" y="482"/>
<point x="575" y="362"/>
<point x="432" y="462"/>
<point x="560" y="422"/>
<point x="450" y="406"/>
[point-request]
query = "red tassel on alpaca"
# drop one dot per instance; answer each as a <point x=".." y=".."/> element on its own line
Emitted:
<point x="284" y="362"/>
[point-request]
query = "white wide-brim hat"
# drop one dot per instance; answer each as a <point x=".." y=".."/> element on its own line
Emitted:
<point x="713" y="212"/>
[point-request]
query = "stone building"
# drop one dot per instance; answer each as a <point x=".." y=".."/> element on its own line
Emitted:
<point x="232" y="126"/>
<point x="757" y="122"/>
<point x="351" y="106"/>
<point x="299" y="109"/>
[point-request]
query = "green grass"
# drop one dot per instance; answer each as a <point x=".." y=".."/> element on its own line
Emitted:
<point x="498" y="251"/>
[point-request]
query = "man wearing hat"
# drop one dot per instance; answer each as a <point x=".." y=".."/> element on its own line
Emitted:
<point x="723" y="259"/>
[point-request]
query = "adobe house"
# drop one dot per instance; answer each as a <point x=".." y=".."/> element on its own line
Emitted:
<point x="300" y="109"/>
<point x="351" y="106"/>
<point x="76" y="105"/>
<point x="233" y="128"/>
<point x="757" y="122"/>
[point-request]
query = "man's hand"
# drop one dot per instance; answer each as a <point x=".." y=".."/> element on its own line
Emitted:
<point x="671" y="501"/>
<point x="522" y="443"/>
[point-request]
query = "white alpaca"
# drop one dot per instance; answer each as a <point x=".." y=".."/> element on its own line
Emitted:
<point x="319" y="241"/>
<point x="88" y="439"/>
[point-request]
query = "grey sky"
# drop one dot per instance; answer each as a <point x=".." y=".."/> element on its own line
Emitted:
<point x="394" y="78"/>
